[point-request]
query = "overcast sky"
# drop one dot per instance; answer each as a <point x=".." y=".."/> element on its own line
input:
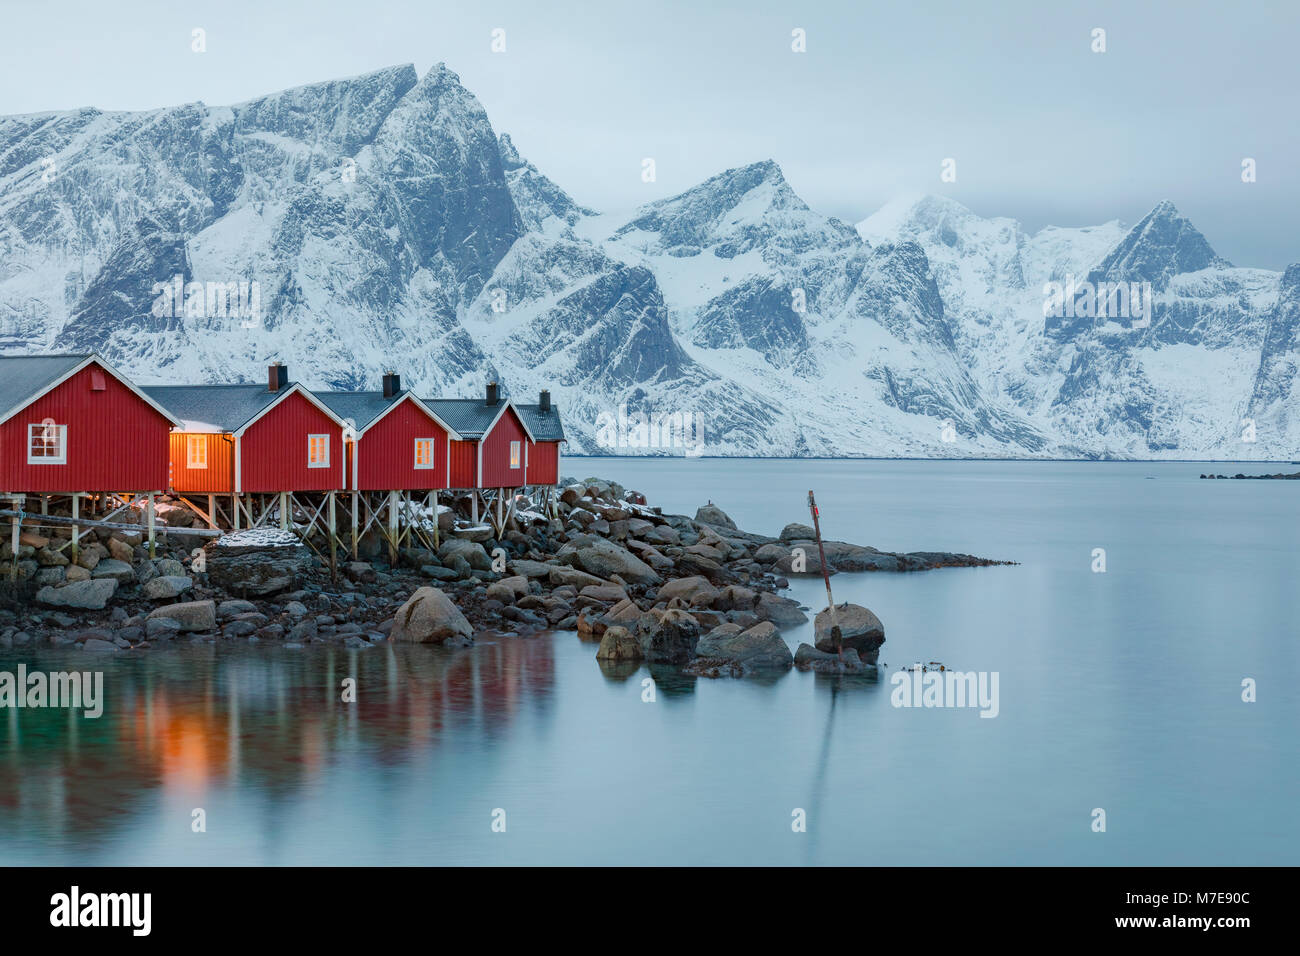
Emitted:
<point x="1042" y="128"/>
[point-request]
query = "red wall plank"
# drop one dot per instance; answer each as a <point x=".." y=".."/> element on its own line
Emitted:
<point x="217" y="478"/>
<point x="464" y="464"/>
<point x="543" y="463"/>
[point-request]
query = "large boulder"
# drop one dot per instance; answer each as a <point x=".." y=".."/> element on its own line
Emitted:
<point x="781" y="611"/>
<point x="808" y="658"/>
<point x="713" y="515"/>
<point x="119" y="571"/>
<point x="758" y="649"/>
<point x="618" y="644"/>
<point x="603" y="558"/>
<point x="86" y="595"/>
<point x="667" y="637"/>
<point x="166" y="586"/>
<point x="430" y="617"/>
<point x="861" y="630"/>
<point x="191" y="616"/>
<point x="470" y="551"/>
<point x="694" y="591"/>
<point x="256" y="570"/>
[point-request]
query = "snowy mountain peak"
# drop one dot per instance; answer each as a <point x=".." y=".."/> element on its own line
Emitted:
<point x="737" y="211"/>
<point x="1163" y="244"/>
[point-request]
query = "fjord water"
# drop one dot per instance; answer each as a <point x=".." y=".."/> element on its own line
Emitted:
<point x="1119" y="690"/>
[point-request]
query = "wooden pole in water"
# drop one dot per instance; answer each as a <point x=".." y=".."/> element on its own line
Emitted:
<point x="836" y="636"/>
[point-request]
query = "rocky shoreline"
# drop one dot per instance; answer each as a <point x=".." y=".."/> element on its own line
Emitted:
<point x="1278" y="476"/>
<point x="698" y="592"/>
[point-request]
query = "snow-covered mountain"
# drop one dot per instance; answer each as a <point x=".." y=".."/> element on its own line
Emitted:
<point x="380" y="221"/>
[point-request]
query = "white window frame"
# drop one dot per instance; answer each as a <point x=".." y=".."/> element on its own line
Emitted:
<point x="61" y="459"/>
<point x="318" y="464"/>
<point x="192" y="442"/>
<point x="432" y="454"/>
<point x="516" y="455"/>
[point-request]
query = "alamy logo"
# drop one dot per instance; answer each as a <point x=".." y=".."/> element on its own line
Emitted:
<point x="71" y="689"/>
<point x="920" y="686"/>
<point x="1099" y="300"/>
<point x="639" y="430"/>
<point x="102" y="909"/>
<point x="208" y="300"/>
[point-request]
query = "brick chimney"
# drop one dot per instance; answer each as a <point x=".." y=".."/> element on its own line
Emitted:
<point x="392" y="384"/>
<point x="277" y="376"/>
<point x="493" y="393"/>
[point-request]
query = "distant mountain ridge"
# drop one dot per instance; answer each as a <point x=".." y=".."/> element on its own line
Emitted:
<point x="385" y="223"/>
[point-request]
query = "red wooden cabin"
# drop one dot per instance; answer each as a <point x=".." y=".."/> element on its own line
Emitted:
<point x="397" y="444"/>
<point x="543" y="461"/>
<point x="253" y="438"/>
<point x="494" y="452"/>
<point x="71" y="423"/>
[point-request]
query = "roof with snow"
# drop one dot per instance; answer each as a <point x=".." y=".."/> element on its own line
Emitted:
<point x="213" y="408"/>
<point x="22" y="376"/>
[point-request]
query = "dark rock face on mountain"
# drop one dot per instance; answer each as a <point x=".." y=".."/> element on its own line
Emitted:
<point x="1158" y="248"/>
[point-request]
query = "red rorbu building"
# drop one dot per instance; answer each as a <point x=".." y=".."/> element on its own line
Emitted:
<point x="542" y="464"/>
<point x="496" y="439"/>
<point x="253" y="439"/>
<point x="397" y="442"/>
<point x="71" y="423"/>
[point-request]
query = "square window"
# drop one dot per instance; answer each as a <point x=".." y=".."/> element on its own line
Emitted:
<point x="514" y="454"/>
<point x="424" y="453"/>
<point x="47" y="443"/>
<point x="196" y="451"/>
<point x="318" y="451"/>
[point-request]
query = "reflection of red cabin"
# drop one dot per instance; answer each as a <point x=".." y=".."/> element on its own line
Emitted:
<point x="399" y="443"/>
<point x="71" y="423"/>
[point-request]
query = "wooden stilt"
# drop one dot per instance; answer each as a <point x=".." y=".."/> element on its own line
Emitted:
<point x="392" y="528"/>
<point x="473" y="506"/>
<point x="76" y="532"/>
<point x="334" y="541"/>
<point x="234" y="510"/>
<point x="284" y="511"/>
<point x="212" y="511"/>
<point x="15" y="531"/>
<point x="149" y="517"/>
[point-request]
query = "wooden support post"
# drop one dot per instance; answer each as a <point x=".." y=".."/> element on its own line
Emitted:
<point x="234" y="510"/>
<point x="16" y="503"/>
<point x="356" y="524"/>
<point x="76" y="532"/>
<point x="284" y="511"/>
<point x="436" y="542"/>
<point x="392" y="528"/>
<point x="334" y="542"/>
<point x="45" y="504"/>
<point x="473" y="506"/>
<point x="153" y="552"/>
<point x="212" y="511"/>
<point x="501" y="519"/>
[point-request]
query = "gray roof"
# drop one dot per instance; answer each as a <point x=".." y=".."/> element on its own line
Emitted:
<point x="545" y="426"/>
<point x="362" y="407"/>
<point x="469" y="416"/>
<point x="472" y="416"/>
<point x="22" y="376"/>
<point x="213" y="407"/>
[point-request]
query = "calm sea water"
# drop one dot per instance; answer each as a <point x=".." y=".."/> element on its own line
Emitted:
<point x="1119" y="690"/>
